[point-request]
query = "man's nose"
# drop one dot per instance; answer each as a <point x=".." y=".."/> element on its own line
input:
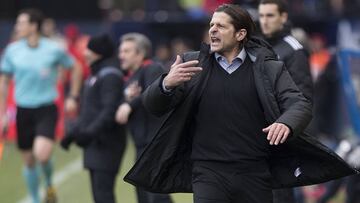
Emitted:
<point x="264" y="20"/>
<point x="212" y="29"/>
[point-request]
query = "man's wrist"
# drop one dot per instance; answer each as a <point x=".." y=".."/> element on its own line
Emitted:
<point x="166" y="89"/>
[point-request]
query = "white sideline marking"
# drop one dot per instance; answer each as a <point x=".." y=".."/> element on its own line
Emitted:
<point x="59" y="177"/>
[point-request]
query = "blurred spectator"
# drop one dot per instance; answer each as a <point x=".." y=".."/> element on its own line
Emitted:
<point x="328" y="115"/>
<point x="134" y="55"/>
<point x="179" y="46"/>
<point x="273" y="16"/>
<point x="76" y="45"/>
<point x="163" y="55"/>
<point x="48" y="29"/>
<point x="320" y="55"/>
<point x="96" y="131"/>
<point x="33" y="62"/>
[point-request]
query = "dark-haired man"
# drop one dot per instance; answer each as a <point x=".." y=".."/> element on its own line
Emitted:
<point x="235" y="122"/>
<point x="273" y="18"/>
<point x="33" y="63"/>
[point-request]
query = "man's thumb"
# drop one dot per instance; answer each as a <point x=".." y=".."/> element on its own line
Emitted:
<point x="178" y="60"/>
<point x="266" y="129"/>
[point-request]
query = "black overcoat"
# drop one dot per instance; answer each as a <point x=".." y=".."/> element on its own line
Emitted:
<point x="165" y="166"/>
<point x="101" y="97"/>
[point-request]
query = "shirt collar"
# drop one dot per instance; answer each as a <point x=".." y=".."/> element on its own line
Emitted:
<point x="241" y="56"/>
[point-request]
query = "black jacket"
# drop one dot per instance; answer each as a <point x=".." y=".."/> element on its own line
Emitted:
<point x="296" y="60"/>
<point x="102" y="94"/>
<point x="165" y="166"/>
<point x="141" y="123"/>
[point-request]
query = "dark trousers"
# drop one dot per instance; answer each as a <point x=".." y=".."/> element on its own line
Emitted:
<point x="149" y="197"/>
<point x="284" y="195"/>
<point x="215" y="182"/>
<point x="102" y="184"/>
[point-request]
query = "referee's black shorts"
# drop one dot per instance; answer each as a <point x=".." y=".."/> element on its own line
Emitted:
<point x="32" y="122"/>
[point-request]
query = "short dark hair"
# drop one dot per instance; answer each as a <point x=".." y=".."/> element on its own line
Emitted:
<point x="281" y="4"/>
<point x="35" y="16"/>
<point x="240" y="18"/>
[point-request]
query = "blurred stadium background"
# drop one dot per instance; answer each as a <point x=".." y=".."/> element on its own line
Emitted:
<point x="325" y="27"/>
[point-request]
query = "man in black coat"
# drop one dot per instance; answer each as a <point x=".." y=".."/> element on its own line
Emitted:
<point x="102" y="139"/>
<point x="134" y="55"/>
<point x="273" y="18"/>
<point x="234" y="130"/>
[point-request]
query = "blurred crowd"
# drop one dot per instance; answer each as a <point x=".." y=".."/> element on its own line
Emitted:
<point x="203" y="8"/>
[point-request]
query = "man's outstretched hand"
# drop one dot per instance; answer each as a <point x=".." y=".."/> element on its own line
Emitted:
<point x="181" y="72"/>
<point x="277" y="133"/>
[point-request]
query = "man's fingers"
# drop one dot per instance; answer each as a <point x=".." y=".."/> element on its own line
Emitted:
<point x="286" y="135"/>
<point x="276" y="131"/>
<point x="188" y="64"/>
<point x="185" y="74"/>
<point x="270" y="133"/>
<point x="279" y="136"/>
<point x="190" y="71"/>
<point x="272" y="139"/>
<point x="181" y="72"/>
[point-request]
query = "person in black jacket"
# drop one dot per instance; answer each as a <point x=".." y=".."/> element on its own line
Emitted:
<point x="96" y="131"/>
<point x="234" y="128"/>
<point x="273" y="18"/>
<point x="134" y="55"/>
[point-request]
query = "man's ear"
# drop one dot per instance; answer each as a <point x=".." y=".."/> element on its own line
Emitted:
<point x="284" y="17"/>
<point x="241" y="34"/>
